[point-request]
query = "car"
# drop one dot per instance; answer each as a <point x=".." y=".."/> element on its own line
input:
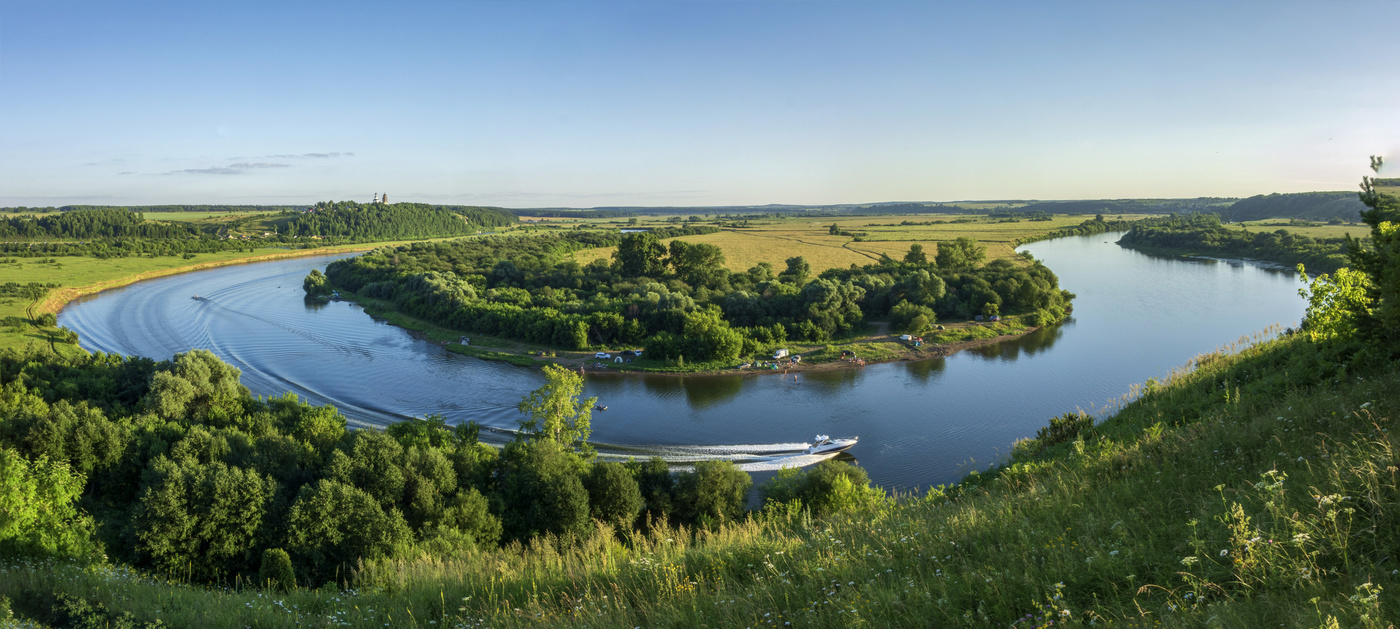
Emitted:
<point x="604" y="355"/>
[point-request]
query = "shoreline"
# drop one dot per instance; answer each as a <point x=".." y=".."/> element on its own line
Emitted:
<point x="897" y="351"/>
<point x="59" y="298"/>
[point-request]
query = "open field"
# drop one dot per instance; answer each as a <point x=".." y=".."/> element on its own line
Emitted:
<point x="774" y="241"/>
<point x="1319" y="230"/>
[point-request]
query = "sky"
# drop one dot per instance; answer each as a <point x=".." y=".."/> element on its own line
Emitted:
<point x="586" y="104"/>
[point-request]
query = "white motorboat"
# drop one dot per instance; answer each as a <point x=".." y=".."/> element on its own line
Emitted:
<point x="825" y="444"/>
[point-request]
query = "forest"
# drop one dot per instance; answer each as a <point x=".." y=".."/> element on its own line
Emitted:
<point x="678" y="300"/>
<point x="396" y="221"/>
<point x="118" y="232"/>
<point x="1205" y="234"/>
<point x="175" y="468"/>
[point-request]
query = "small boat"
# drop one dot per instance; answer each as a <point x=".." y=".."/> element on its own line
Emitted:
<point x="825" y="444"/>
<point x="600" y="407"/>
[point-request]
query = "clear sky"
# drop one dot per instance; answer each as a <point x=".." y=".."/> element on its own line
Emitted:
<point x="534" y="103"/>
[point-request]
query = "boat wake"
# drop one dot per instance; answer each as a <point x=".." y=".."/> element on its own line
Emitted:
<point x="756" y="457"/>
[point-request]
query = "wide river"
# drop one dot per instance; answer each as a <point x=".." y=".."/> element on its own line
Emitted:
<point x="920" y="423"/>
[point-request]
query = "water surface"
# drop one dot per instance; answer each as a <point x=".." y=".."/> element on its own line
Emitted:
<point x="920" y="423"/>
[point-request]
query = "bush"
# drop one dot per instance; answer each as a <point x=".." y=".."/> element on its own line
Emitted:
<point x="714" y="494"/>
<point x="1063" y="428"/>
<point x="276" y="571"/>
<point x="613" y="495"/>
<point x="829" y="487"/>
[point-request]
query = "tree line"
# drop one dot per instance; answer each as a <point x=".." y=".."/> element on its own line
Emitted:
<point x="678" y="299"/>
<point x="1205" y="234"/>
<point x="376" y="221"/>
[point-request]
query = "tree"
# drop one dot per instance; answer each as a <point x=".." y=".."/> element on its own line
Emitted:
<point x="541" y="491"/>
<point x="640" y="255"/>
<point x="315" y="284"/>
<point x="829" y="487"/>
<point x="959" y="255"/>
<point x="798" y="270"/>
<point x="916" y="254"/>
<point x="38" y="514"/>
<point x="613" y="495"/>
<point x="714" y="494"/>
<point x="196" y="386"/>
<point x="555" y="412"/>
<point x="333" y="525"/>
<point x="1379" y="319"/>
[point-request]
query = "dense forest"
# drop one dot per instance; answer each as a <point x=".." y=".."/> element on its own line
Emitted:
<point x="678" y="299"/>
<point x="1315" y="206"/>
<point x="1204" y="234"/>
<point x="116" y="232"/>
<point x="174" y="467"/>
<point x="396" y="221"/>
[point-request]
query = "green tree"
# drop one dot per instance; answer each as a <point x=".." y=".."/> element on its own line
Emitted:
<point x="960" y="255"/>
<point x="333" y="526"/>
<point x="555" y="412"/>
<point x="916" y="254"/>
<point x="640" y="255"/>
<point x="316" y="284"/>
<point x="196" y="386"/>
<point x="1379" y="320"/>
<point x="205" y="519"/>
<point x="613" y="495"/>
<point x="798" y="270"/>
<point x="828" y="487"/>
<point x="38" y="510"/>
<point x="714" y="494"/>
<point x="542" y="492"/>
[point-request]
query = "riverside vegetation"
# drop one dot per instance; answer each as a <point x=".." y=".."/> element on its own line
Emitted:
<point x="679" y="301"/>
<point x="1255" y="487"/>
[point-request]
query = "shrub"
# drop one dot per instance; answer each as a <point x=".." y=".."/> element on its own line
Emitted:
<point x="276" y="571"/>
<point x="1063" y="428"/>
<point x="829" y="487"/>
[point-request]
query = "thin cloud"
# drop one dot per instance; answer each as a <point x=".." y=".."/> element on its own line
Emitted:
<point x="231" y="169"/>
<point x="308" y="156"/>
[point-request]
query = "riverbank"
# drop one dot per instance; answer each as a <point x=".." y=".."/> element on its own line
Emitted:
<point x="79" y="277"/>
<point x="876" y="347"/>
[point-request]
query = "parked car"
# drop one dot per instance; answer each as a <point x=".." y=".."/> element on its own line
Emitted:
<point x="603" y="355"/>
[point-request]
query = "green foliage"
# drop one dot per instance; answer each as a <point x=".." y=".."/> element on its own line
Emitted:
<point x="1204" y="234"/>
<point x="713" y="495"/>
<point x="196" y="385"/>
<point x="315" y="284"/>
<point x="331" y="526"/>
<point x="911" y="318"/>
<point x="640" y="255"/>
<point x="1336" y="303"/>
<point x="276" y="572"/>
<point x="555" y="412"/>
<point x="960" y="254"/>
<point x="38" y="509"/>
<point x="1066" y="427"/>
<point x="916" y="255"/>
<point x="396" y="221"/>
<point x="542" y="492"/>
<point x="614" y="496"/>
<point x="201" y="520"/>
<point x="1381" y="263"/>
<point x="797" y="272"/>
<point x="828" y="487"/>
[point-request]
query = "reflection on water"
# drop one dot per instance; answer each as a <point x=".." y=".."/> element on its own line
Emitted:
<point x="920" y="423"/>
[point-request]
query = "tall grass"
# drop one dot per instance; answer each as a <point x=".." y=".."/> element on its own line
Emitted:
<point x="1232" y="494"/>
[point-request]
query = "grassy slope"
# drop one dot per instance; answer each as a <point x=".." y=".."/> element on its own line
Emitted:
<point x="1224" y="497"/>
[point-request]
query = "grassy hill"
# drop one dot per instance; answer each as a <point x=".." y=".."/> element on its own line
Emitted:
<point x="1255" y="487"/>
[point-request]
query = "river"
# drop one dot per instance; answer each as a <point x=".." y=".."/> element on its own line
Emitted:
<point x="920" y="423"/>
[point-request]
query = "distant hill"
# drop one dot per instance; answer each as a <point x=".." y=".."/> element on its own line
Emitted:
<point x="1313" y="206"/>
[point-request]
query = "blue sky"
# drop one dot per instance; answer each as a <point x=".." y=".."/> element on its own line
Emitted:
<point x="582" y="104"/>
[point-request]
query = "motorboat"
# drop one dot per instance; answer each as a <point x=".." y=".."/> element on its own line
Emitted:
<point x="825" y="444"/>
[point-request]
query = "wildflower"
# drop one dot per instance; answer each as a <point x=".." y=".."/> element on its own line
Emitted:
<point x="1189" y="561"/>
<point x="1224" y="552"/>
